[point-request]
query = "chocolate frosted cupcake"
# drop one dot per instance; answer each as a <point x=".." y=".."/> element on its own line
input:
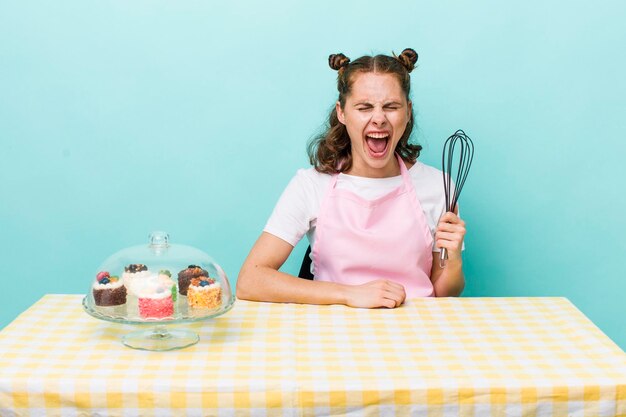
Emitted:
<point x="108" y="290"/>
<point x="186" y="275"/>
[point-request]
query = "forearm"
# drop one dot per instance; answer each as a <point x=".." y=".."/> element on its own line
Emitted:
<point x="450" y="280"/>
<point x="262" y="283"/>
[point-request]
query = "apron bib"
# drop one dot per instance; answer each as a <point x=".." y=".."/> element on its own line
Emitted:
<point x="359" y="240"/>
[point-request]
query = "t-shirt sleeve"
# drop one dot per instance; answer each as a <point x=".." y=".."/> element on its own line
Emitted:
<point x="293" y="212"/>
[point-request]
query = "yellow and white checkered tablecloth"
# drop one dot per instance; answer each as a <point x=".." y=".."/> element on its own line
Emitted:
<point x="431" y="357"/>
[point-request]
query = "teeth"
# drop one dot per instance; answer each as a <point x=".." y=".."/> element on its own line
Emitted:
<point x="378" y="135"/>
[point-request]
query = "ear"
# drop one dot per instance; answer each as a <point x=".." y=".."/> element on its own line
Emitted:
<point x="410" y="109"/>
<point x="340" y="115"/>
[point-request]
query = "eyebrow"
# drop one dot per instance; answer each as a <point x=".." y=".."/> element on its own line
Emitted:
<point x="365" y="103"/>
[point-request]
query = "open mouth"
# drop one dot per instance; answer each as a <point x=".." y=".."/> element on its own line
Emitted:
<point x="377" y="143"/>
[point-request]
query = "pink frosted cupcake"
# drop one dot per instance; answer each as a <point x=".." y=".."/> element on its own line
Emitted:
<point x="156" y="296"/>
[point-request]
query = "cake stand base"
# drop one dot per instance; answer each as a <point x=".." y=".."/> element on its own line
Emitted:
<point x="159" y="339"/>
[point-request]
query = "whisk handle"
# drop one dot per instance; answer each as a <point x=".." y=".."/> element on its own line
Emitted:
<point x="443" y="257"/>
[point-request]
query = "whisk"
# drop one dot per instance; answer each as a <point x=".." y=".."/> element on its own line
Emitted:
<point x="465" y="156"/>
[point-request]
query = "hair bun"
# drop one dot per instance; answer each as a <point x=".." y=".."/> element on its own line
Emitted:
<point x="408" y="58"/>
<point x="338" y="61"/>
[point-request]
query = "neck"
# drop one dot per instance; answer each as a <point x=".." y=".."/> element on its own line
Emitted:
<point x="364" y="170"/>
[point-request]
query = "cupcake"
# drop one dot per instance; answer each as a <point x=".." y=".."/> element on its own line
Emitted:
<point x="155" y="296"/>
<point x="133" y="273"/>
<point x="204" y="292"/>
<point x="186" y="275"/>
<point x="108" y="290"/>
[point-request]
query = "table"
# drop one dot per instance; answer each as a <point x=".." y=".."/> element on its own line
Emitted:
<point x="431" y="357"/>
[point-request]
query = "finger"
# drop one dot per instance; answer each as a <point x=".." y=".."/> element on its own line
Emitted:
<point x="390" y="292"/>
<point x="396" y="297"/>
<point x="450" y="227"/>
<point x="396" y="292"/>
<point x="449" y="236"/>
<point x="398" y="300"/>
<point x="396" y="289"/>
<point x="394" y="285"/>
<point x="390" y="287"/>
<point x="448" y="242"/>
<point x="450" y="217"/>
<point x="388" y="302"/>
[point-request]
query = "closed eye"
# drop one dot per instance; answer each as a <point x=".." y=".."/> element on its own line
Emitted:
<point x="394" y="105"/>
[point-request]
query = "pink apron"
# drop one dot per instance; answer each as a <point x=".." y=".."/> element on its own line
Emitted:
<point x="358" y="240"/>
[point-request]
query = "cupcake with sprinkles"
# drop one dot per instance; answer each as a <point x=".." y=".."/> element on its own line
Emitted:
<point x="186" y="275"/>
<point x="108" y="290"/>
<point x="204" y="292"/>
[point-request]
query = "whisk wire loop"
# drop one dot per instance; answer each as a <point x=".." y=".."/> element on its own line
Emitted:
<point x="466" y="155"/>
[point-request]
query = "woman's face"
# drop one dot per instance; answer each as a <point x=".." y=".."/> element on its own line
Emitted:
<point x="376" y="114"/>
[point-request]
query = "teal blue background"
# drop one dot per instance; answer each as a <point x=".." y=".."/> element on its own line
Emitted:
<point x="122" y="117"/>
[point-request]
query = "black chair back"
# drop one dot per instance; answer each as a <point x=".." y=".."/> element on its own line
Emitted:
<point x="305" y="268"/>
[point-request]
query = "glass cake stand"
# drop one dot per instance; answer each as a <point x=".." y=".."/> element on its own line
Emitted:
<point x="156" y="285"/>
<point x="158" y="337"/>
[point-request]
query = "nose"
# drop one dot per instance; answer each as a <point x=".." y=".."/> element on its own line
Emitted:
<point x="378" y="116"/>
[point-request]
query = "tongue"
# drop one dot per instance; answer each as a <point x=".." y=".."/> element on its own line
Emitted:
<point x="376" y="145"/>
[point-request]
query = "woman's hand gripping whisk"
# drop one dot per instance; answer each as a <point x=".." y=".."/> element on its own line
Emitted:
<point x="451" y="229"/>
<point x="449" y="236"/>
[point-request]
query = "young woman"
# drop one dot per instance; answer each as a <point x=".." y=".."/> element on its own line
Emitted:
<point x="372" y="213"/>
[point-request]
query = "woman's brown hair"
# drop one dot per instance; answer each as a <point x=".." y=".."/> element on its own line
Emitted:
<point x="330" y="152"/>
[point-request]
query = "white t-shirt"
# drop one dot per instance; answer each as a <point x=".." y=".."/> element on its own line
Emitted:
<point x="296" y="212"/>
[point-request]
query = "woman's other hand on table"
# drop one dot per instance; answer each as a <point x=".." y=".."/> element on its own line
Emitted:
<point x="260" y="280"/>
<point x="373" y="294"/>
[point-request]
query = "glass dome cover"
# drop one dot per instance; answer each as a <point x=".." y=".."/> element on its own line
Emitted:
<point x="158" y="282"/>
